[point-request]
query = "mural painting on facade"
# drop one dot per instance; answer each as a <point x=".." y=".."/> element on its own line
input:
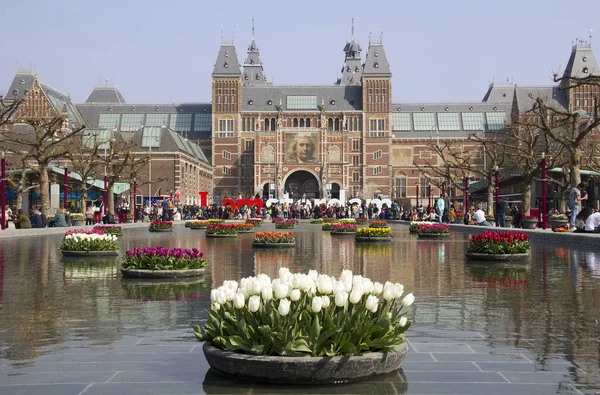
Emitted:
<point x="301" y="147"/>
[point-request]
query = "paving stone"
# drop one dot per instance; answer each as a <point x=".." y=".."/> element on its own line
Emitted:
<point x="442" y="347"/>
<point x="524" y="367"/>
<point x="486" y="388"/>
<point x="413" y="366"/>
<point x="57" y="378"/>
<point x="50" y="389"/>
<point x="538" y="378"/>
<point x="481" y="357"/>
<point x="454" y="377"/>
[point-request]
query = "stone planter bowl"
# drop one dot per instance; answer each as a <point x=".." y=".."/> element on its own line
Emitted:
<point x="373" y="239"/>
<point x="272" y="245"/>
<point x="138" y="273"/>
<point x="432" y="235"/>
<point x="496" y="257"/>
<point x="304" y="370"/>
<point x="333" y="232"/>
<point x="213" y="236"/>
<point x="90" y="253"/>
<point x="529" y="224"/>
<point x="160" y="230"/>
<point x="557" y="223"/>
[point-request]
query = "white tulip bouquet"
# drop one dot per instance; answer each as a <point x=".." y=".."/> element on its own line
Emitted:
<point x="306" y="315"/>
<point x="82" y="240"/>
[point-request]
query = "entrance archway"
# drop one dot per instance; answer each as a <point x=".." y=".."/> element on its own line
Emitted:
<point x="301" y="184"/>
<point x="335" y="190"/>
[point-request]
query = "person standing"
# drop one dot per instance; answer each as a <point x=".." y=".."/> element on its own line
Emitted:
<point x="575" y="203"/>
<point x="501" y="213"/>
<point x="440" y="208"/>
<point x="446" y="214"/>
<point x="98" y="204"/>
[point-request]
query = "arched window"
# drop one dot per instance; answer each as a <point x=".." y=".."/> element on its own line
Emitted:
<point x="273" y="124"/>
<point x="301" y="122"/>
<point x="337" y="124"/>
<point x="295" y="122"/>
<point x="267" y="124"/>
<point x="400" y="180"/>
<point x="330" y="124"/>
<point x="308" y="122"/>
<point x="253" y="124"/>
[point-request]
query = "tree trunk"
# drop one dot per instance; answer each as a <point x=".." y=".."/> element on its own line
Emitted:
<point x="83" y="197"/>
<point x="111" y="199"/>
<point x="490" y="196"/>
<point x="575" y="159"/>
<point x="44" y="189"/>
<point x="527" y="198"/>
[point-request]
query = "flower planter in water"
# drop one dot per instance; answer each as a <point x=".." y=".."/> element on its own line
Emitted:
<point x="432" y="235"/>
<point x="333" y="232"/>
<point x="272" y="245"/>
<point x="138" y="273"/>
<point x="160" y="230"/>
<point x="373" y="239"/>
<point x="213" y="236"/>
<point x="90" y="253"/>
<point x="496" y="257"/>
<point x="304" y="370"/>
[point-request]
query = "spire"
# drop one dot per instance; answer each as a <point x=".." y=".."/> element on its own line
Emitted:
<point x="352" y="69"/>
<point x="253" y="73"/>
<point x="376" y="63"/>
<point x="582" y="62"/>
<point x="227" y="63"/>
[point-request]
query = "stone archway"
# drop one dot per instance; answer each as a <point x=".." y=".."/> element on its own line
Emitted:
<point x="302" y="183"/>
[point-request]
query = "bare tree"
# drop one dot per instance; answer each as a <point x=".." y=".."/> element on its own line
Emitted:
<point x="17" y="176"/>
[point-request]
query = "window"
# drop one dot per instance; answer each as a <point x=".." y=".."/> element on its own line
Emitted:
<point x="336" y="124"/>
<point x="308" y="122"/>
<point x="226" y="155"/>
<point x="109" y="121"/>
<point x="355" y="190"/>
<point x="377" y="128"/>
<point x="473" y="121"/>
<point x="156" y="119"/>
<point x="377" y="170"/>
<point x="400" y="187"/>
<point x="377" y="154"/>
<point x="330" y="124"/>
<point x="151" y="137"/>
<point x="355" y="176"/>
<point x="355" y="145"/>
<point x="354" y="124"/>
<point x="131" y="122"/>
<point x="448" y="121"/>
<point x="495" y="120"/>
<point x="202" y="122"/>
<point x="424" y="189"/>
<point x="225" y="127"/>
<point x="226" y="170"/>
<point x="355" y="160"/>
<point x="425" y="154"/>
<point x="181" y="122"/>
<point x="401" y="121"/>
<point x="424" y="121"/>
<point x="249" y="145"/>
<point x="302" y="102"/>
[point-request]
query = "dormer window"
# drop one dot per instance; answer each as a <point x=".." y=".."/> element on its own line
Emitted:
<point x="251" y="61"/>
<point x="348" y="69"/>
<point x="226" y="65"/>
<point x="585" y="69"/>
<point x="246" y="77"/>
<point x="332" y="102"/>
<point x="257" y="77"/>
<point x="376" y="65"/>
<point x="356" y="69"/>
<point x="584" y="59"/>
<point x="376" y="54"/>
<point x="226" y="54"/>
<point x="269" y="102"/>
<point x="250" y="102"/>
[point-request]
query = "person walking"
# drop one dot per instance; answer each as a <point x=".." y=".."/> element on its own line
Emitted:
<point x="575" y="199"/>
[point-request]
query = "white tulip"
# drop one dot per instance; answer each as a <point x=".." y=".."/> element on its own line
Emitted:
<point x="284" y="307"/>
<point x="254" y="303"/>
<point x="355" y="296"/>
<point x="341" y="298"/>
<point x="372" y="303"/>
<point x="403" y="321"/>
<point x="317" y="303"/>
<point x="280" y="290"/>
<point x="229" y="294"/>
<point x="213" y="295"/>
<point x="255" y="287"/>
<point x="239" y="300"/>
<point x="313" y="274"/>
<point x="215" y="306"/>
<point x="346" y="279"/>
<point x="295" y="295"/>
<point x="398" y="290"/>
<point x="267" y="293"/>
<point x="377" y="288"/>
<point x="408" y="300"/>
<point x="367" y="285"/>
<point x="221" y="297"/>
<point x="326" y="301"/>
<point x="338" y="286"/>
<point x="389" y="292"/>
<point x="324" y="284"/>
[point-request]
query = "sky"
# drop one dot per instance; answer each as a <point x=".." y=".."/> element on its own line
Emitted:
<point x="164" y="51"/>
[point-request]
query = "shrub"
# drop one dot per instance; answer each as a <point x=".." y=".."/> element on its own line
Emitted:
<point x="77" y="217"/>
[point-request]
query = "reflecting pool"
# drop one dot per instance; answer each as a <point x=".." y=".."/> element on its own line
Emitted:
<point x="60" y="314"/>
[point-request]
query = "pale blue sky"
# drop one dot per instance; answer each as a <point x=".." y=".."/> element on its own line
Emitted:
<point x="164" y="51"/>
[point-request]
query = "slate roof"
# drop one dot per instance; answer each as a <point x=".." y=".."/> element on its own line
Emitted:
<point x="253" y="68"/>
<point x="346" y="98"/>
<point x="499" y="93"/>
<point x="552" y="95"/>
<point x="21" y="84"/>
<point x="227" y="64"/>
<point x="105" y="94"/>
<point x="376" y="63"/>
<point x="63" y="103"/>
<point x="171" y="141"/>
<point x="582" y="62"/>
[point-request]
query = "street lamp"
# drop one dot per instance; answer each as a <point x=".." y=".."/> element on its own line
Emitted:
<point x="3" y="190"/>
<point x="466" y="193"/>
<point x="134" y="200"/>
<point x="65" y="187"/>
<point x="544" y="188"/>
<point x="497" y="183"/>
<point x="156" y="139"/>
<point x="417" y="195"/>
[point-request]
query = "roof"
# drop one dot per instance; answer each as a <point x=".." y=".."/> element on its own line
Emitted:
<point x="552" y="95"/>
<point x="227" y="64"/>
<point x="376" y="63"/>
<point x="105" y="94"/>
<point x="253" y="68"/>
<point x="498" y="93"/>
<point x="171" y="141"/>
<point x="63" y="103"/>
<point x="21" y="84"/>
<point x="336" y="98"/>
<point x="582" y="62"/>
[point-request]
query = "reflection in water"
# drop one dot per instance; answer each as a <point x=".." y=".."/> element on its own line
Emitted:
<point x="161" y="290"/>
<point x="101" y="267"/>
<point x="49" y="303"/>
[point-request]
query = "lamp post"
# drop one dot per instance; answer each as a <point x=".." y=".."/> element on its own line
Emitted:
<point x="151" y="140"/>
<point x="105" y="193"/>
<point x="3" y="190"/>
<point x="66" y="188"/>
<point x="429" y="193"/>
<point x="417" y="195"/>
<point x="466" y="193"/>
<point x="497" y="183"/>
<point x="134" y="200"/>
<point x="544" y="187"/>
<point x="269" y="170"/>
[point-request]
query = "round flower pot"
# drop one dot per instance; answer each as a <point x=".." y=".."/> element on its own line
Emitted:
<point x="90" y="253"/>
<point x="77" y="222"/>
<point x="160" y="230"/>
<point x="272" y="245"/>
<point x="246" y="231"/>
<point x="212" y="236"/>
<point x="138" y="273"/>
<point x="432" y="235"/>
<point x="558" y="223"/>
<point x="529" y="224"/>
<point x="374" y="239"/>
<point x="198" y="227"/>
<point x="304" y="370"/>
<point x="411" y="230"/>
<point x="333" y="232"/>
<point x="496" y="257"/>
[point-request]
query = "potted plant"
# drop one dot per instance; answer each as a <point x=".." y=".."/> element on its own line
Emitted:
<point x="306" y="328"/>
<point x="498" y="246"/>
<point x="161" y="226"/>
<point x="214" y="221"/>
<point x="162" y="262"/>
<point x="244" y="228"/>
<point x="414" y="225"/>
<point x="82" y="242"/>
<point x="316" y="221"/>
<point x="361" y="220"/>
<point x="110" y="229"/>
<point x="277" y="220"/>
<point x="558" y="220"/>
<point x="329" y="220"/>
<point x="273" y="240"/>
<point x="490" y="218"/>
<point x="433" y="230"/>
<point x="221" y="231"/>
<point x="347" y="221"/>
<point x="378" y="223"/>
<point x="373" y="234"/>
<point x="287" y="224"/>
<point x="187" y="223"/>
<point x="198" y="224"/>
<point x="343" y="228"/>
<point x="459" y="217"/>
<point x="529" y="222"/>
<point x="255" y="221"/>
<point x="327" y="226"/>
<point x="77" y="219"/>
